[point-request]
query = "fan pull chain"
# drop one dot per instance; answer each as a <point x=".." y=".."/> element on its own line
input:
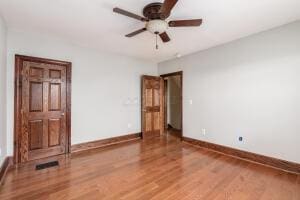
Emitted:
<point x="156" y="46"/>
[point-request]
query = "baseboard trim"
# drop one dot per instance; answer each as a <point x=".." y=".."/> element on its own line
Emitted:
<point x="8" y="162"/>
<point x="245" y="155"/>
<point x="105" y="142"/>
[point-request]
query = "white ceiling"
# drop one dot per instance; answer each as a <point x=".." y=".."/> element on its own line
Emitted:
<point x="92" y="23"/>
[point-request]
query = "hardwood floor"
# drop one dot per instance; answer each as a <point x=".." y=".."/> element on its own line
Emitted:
<point x="157" y="168"/>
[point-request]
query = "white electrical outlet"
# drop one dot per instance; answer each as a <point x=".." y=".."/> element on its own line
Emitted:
<point x="0" y="152"/>
<point x="191" y="102"/>
<point x="203" y="131"/>
<point x="129" y="125"/>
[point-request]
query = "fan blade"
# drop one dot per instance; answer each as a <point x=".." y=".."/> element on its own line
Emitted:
<point x="191" y="22"/>
<point x="167" y="6"/>
<point x="129" y="14"/>
<point x="164" y="37"/>
<point x="136" y="32"/>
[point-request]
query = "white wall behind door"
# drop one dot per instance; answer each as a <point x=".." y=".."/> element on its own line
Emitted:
<point x="174" y="102"/>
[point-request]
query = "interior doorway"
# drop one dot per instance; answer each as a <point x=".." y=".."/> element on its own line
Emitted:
<point x="173" y="103"/>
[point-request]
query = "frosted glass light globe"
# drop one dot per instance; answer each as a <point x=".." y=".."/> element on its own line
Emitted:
<point x="157" y="26"/>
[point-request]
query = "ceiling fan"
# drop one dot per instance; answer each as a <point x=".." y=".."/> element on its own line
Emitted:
<point x="155" y="15"/>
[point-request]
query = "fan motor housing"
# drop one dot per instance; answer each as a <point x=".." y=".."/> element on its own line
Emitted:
<point x="151" y="11"/>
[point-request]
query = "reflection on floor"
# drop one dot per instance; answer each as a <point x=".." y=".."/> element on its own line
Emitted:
<point x="174" y="132"/>
<point x="158" y="168"/>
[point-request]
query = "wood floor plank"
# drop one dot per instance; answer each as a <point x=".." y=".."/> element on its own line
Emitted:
<point x="158" y="168"/>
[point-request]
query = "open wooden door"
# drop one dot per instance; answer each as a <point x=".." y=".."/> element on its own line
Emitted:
<point x="152" y="106"/>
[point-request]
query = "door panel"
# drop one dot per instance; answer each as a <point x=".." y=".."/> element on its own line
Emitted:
<point x="43" y="109"/>
<point x="148" y="97"/>
<point x="36" y="97"/>
<point x="148" y="121"/>
<point x="152" y="111"/>
<point x="156" y="120"/>
<point x="35" y="134"/>
<point x="36" y="72"/>
<point x="54" y="96"/>
<point x="156" y="98"/>
<point x="54" y="131"/>
<point x="55" y="74"/>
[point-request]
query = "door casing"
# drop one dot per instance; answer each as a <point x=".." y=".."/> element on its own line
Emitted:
<point x="180" y="74"/>
<point x="19" y="59"/>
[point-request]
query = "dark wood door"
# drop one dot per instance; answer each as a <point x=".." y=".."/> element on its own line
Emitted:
<point x="43" y="105"/>
<point x="152" y="106"/>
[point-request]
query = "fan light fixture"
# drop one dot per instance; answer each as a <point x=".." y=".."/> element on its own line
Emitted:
<point x="155" y="16"/>
<point x="157" y="26"/>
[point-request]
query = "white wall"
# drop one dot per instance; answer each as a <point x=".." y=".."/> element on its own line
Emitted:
<point x="2" y="90"/>
<point x="249" y="88"/>
<point x="104" y="86"/>
<point x="174" y="102"/>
